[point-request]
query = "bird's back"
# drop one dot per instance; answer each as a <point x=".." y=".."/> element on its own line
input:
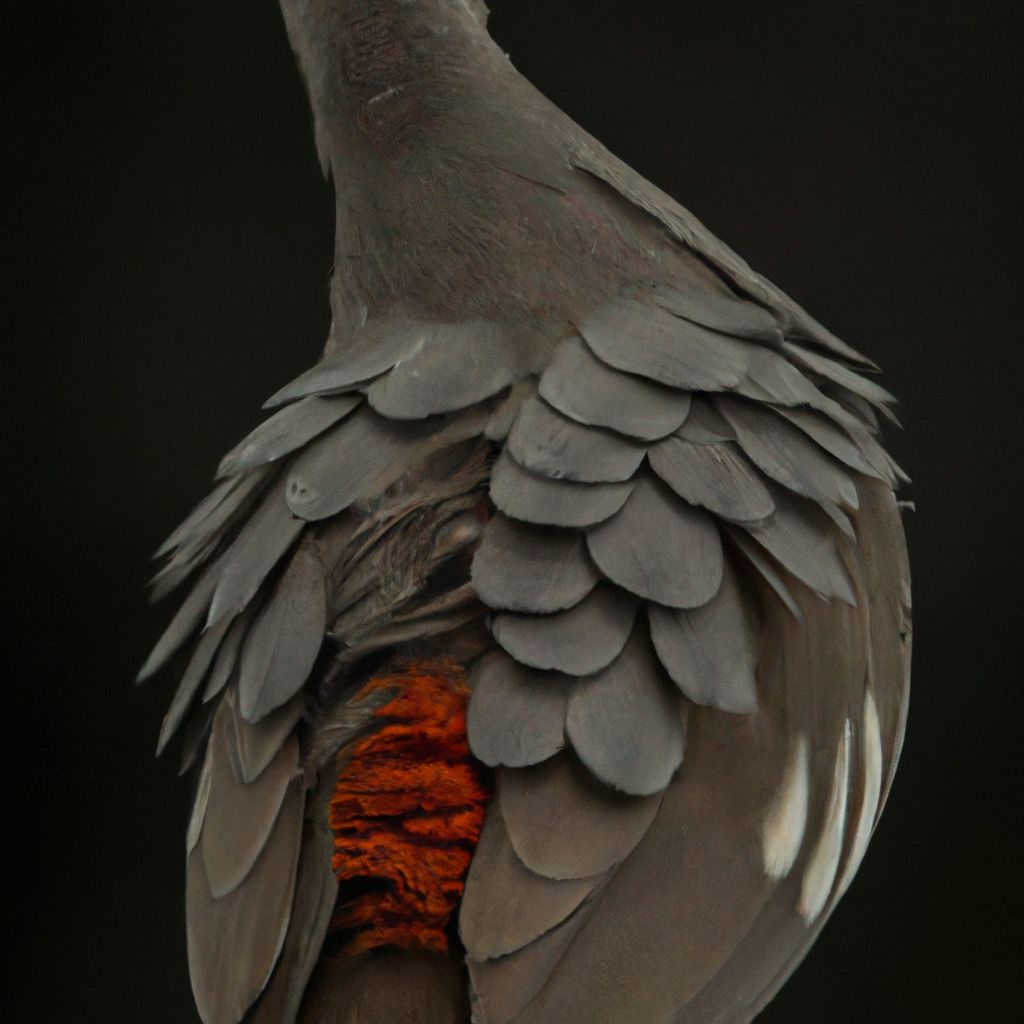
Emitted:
<point x="554" y="630"/>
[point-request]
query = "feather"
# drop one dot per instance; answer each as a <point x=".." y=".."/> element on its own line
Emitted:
<point x="766" y="569"/>
<point x="526" y="568"/>
<point x="234" y="942"/>
<point x="198" y="666"/>
<point x="787" y="455"/>
<point x="625" y="722"/>
<point x="704" y="425"/>
<point x="772" y="378"/>
<point x="457" y="366"/>
<point x="729" y="314"/>
<point x="240" y="816"/>
<point x="373" y="350"/>
<point x="256" y="745"/>
<point x="227" y="656"/>
<point x="500" y="988"/>
<point x="315" y="891"/>
<point x="180" y="566"/>
<point x="285" y="638"/>
<point x="270" y="531"/>
<point x="653" y="343"/>
<point x="660" y="548"/>
<point x="548" y="443"/>
<point x="841" y="375"/>
<point x="595" y="159"/>
<point x="540" y="499"/>
<point x="505" y="905"/>
<point x="563" y="823"/>
<point x="196" y="733"/>
<point x="516" y="716"/>
<point x="579" y="641"/>
<point x="215" y="510"/>
<point x="185" y="622"/>
<point x="285" y="431"/>
<point x="804" y="542"/>
<point x="711" y="651"/>
<point x="836" y="442"/>
<point x="500" y="421"/>
<point x="200" y="801"/>
<point x="714" y="476"/>
<point x="583" y="388"/>
<point x="364" y="455"/>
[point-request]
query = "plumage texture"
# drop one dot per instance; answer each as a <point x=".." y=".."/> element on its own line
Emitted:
<point x="565" y="438"/>
<point x="516" y="715"/>
<point x="660" y="548"/>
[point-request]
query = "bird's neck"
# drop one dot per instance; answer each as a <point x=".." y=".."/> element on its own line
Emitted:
<point x="388" y="76"/>
<point x="409" y="99"/>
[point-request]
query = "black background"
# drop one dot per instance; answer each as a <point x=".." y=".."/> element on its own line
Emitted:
<point x="170" y="247"/>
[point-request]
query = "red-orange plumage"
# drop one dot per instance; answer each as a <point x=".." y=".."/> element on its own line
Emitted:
<point x="407" y="811"/>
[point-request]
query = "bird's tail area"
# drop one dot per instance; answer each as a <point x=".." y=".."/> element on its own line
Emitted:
<point x="404" y="816"/>
<point x="386" y="986"/>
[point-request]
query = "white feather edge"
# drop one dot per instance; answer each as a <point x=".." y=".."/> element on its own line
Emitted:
<point x="872" y="754"/>
<point x="786" y="821"/>
<point x="820" y="874"/>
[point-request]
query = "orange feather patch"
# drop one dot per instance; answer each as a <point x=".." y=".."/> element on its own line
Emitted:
<point x="406" y="813"/>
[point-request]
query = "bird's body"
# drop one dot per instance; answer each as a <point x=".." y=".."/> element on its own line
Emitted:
<point x="568" y="457"/>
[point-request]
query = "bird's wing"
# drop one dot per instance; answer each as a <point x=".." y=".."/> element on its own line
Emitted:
<point x="696" y="560"/>
<point x="695" y="696"/>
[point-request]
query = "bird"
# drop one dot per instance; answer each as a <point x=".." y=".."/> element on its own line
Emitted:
<point x="547" y="648"/>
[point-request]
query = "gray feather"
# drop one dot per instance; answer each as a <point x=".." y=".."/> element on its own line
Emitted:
<point x="211" y="514"/>
<point x="505" y="906"/>
<point x="315" y="891"/>
<point x="516" y="716"/>
<point x="766" y="569"/>
<point x="841" y="375"/>
<point x="285" y="638"/>
<point x="548" y="443"/>
<point x="854" y="444"/>
<point x="373" y="350"/>
<point x="256" y="745"/>
<point x="285" y="431"/>
<point x="729" y="314"/>
<point x="540" y="499"/>
<point x="227" y="657"/>
<point x="500" y="421"/>
<point x="803" y="540"/>
<point x="653" y="343"/>
<point x="527" y="568"/>
<point x="660" y="548"/>
<point x="579" y="385"/>
<point x="772" y="378"/>
<point x="458" y="365"/>
<point x="711" y="651"/>
<point x="714" y="476"/>
<point x="269" y="532"/>
<point x="240" y="816"/>
<point x="579" y="641"/>
<point x="200" y="801"/>
<point x="705" y="425"/>
<point x="500" y="988"/>
<point x="234" y="942"/>
<point x="563" y="823"/>
<point x="787" y="455"/>
<point x="835" y="441"/>
<point x="186" y="621"/>
<point x="361" y="457"/>
<point x="625" y="722"/>
<point x="202" y="657"/>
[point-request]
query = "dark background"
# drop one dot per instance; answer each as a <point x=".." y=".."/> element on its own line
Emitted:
<point x="170" y="248"/>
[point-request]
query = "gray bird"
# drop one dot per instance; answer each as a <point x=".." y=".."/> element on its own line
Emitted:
<point x="550" y="640"/>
